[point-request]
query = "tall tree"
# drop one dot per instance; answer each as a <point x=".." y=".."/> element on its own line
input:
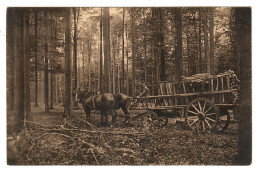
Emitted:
<point x="144" y="42"/>
<point x="100" y="55"/>
<point x="10" y="57"/>
<point x="19" y="71"/>
<point x="89" y="66"/>
<point x="211" y="45"/>
<point x="36" y="57"/>
<point x="133" y="53"/>
<point x="46" y="64"/>
<point x="199" y="47"/>
<point x="243" y="34"/>
<point x="76" y="17"/>
<point x="26" y="43"/>
<point x="68" y="59"/>
<point x="206" y="37"/>
<point x="114" y="66"/>
<point x="127" y="61"/>
<point x="52" y="62"/>
<point x="179" y="58"/>
<point x="123" y="53"/>
<point x="161" y="35"/>
<point x="107" y="56"/>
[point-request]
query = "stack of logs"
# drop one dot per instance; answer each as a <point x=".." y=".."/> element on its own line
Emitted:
<point x="221" y="89"/>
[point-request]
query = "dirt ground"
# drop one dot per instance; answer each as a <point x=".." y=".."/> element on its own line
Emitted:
<point x="54" y="142"/>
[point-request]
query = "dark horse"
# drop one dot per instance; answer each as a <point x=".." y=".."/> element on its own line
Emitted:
<point x="121" y="101"/>
<point x="105" y="103"/>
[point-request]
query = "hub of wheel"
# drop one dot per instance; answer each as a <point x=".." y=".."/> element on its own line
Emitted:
<point x="202" y="116"/>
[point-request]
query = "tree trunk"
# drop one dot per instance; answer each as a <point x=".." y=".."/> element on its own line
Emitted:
<point x="127" y="61"/>
<point x="123" y="54"/>
<point x="10" y="58"/>
<point x="52" y="63"/>
<point x="19" y="72"/>
<point x="107" y="56"/>
<point x="211" y="45"/>
<point x="114" y="66"/>
<point x="27" y="65"/>
<point x="101" y="57"/>
<point x="133" y="54"/>
<point x="179" y="60"/>
<point x="118" y="72"/>
<point x="163" y="64"/>
<point x="83" y="65"/>
<point x="46" y="83"/>
<point x="199" y="40"/>
<point x="206" y="42"/>
<point x="75" y="49"/>
<point x="89" y="66"/>
<point x="36" y="57"/>
<point x="68" y="58"/>
<point x="243" y="33"/>
<point x="145" y="56"/>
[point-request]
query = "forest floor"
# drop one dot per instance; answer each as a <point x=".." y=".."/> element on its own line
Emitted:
<point x="54" y="142"/>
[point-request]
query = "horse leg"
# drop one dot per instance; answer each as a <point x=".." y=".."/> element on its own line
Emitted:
<point x="102" y="118"/>
<point x="127" y="118"/>
<point x="87" y="112"/>
<point x="114" y="114"/>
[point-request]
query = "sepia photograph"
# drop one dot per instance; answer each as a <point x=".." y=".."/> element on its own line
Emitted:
<point x="128" y="85"/>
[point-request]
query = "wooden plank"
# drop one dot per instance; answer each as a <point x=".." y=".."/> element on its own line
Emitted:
<point x="228" y="84"/>
<point x="184" y="89"/>
<point x="212" y="84"/>
<point x="222" y="87"/>
<point x="174" y="93"/>
<point x="189" y="94"/>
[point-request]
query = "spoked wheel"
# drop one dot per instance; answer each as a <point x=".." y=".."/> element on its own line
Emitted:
<point x="223" y="121"/>
<point x="202" y="114"/>
<point x="149" y="119"/>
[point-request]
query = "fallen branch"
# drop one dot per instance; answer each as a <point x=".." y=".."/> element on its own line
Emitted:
<point x="44" y="125"/>
<point x="91" y="150"/>
<point x="91" y="131"/>
<point x="45" y="134"/>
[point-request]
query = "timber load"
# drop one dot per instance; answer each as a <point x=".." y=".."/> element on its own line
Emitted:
<point x="221" y="88"/>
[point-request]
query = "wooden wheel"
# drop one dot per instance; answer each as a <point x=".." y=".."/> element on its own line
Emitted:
<point x="149" y="119"/>
<point x="202" y="114"/>
<point x="223" y="121"/>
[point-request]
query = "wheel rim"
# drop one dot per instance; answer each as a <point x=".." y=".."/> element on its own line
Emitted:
<point x="201" y="114"/>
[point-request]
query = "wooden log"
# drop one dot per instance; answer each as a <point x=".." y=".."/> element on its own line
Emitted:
<point x="222" y="88"/>
<point x="228" y="84"/>
<point x="174" y="93"/>
<point x="184" y="90"/>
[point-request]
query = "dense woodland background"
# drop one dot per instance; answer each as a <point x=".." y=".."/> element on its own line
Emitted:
<point x="53" y="51"/>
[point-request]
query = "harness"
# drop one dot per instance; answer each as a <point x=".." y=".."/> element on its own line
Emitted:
<point x="83" y="100"/>
<point x="93" y="102"/>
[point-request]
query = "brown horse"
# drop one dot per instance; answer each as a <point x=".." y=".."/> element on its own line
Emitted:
<point x="104" y="103"/>
<point x="121" y="101"/>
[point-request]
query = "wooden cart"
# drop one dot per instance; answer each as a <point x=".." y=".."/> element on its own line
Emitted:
<point x="202" y="100"/>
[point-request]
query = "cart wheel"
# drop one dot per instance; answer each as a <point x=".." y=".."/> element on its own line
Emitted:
<point x="223" y="120"/>
<point x="149" y="119"/>
<point x="202" y="114"/>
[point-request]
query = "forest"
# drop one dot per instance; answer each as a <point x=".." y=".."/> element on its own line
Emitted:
<point x="54" y="52"/>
